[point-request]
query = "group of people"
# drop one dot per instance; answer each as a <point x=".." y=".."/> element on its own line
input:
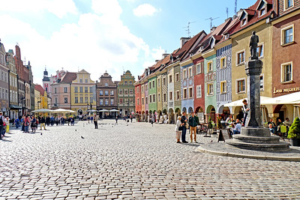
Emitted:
<point x="183" y="124"/>
<point x="279" y="128"/>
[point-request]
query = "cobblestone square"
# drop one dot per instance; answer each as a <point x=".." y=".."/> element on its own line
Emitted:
<point x="137" y="161"/>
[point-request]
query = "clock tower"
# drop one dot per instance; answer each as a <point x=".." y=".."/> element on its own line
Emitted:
<point x="46" y="82"/>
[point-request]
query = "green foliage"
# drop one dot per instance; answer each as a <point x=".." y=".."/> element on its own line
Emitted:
<point x="210" y="126"/>
<point x="294" y="131"/>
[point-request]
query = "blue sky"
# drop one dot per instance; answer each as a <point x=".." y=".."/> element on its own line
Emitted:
<point x="100" y="35"/>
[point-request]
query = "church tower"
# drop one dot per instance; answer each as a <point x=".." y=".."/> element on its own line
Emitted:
<point x="46" y="82"/>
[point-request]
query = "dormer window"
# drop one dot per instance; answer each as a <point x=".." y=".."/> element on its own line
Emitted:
<point x="226" y="36"/>
<point x="262" y="12"/>
<point x="244" y="22"/>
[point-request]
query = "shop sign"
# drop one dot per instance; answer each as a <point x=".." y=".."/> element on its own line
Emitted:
<point x="288" y="90"/>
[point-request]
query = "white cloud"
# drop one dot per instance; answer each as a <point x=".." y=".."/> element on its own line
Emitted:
<point x="96" y="43"/>
<point x="157" y="53"/>
<point x="145" y="10"/>
<point x="60" y="8"/>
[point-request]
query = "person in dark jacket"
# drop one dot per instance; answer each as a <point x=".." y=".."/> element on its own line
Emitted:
<point x="183" y="121"/>
<point x="193" y="122"/>
<point x="42" y="122"/>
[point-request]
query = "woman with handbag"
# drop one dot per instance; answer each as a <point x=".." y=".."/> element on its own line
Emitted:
<point x="178" y="129"/>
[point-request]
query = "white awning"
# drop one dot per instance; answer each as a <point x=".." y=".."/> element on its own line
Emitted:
<point x="114" y="110"/>
<point x="293" y="98"/>
<point x="240" y="102"/>
<point x="42" y="111"/>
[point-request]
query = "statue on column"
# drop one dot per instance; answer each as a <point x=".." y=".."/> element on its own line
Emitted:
<point x="253" y="45"/>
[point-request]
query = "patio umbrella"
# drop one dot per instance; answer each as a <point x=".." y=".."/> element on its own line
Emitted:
<point x="42" y="111"/>
<point x="62" y="111"/>
<point x="114" y="110"/>
<point x="103" y="110"/>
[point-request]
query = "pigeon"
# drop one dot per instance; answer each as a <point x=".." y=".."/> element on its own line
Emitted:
<point x="41" y="133"/>
<point x="75" y="129"/>
<point x="82" y="137"/>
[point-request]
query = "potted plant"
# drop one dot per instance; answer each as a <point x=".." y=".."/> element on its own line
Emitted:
<point x="294" y="132"/>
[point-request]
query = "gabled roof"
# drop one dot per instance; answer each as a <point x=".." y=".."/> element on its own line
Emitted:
<point x="39" y="88"/>
<point x="255" y="18"/>
<point x="69" y="77"/>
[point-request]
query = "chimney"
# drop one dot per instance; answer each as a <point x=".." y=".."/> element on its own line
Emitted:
<point x="183" y="40"/>
<point x="212" y="29"/>
<point x="240" y="12"/>
<point x="234" y="17"/>
<point x="156" y="61"/>
<point x="165" y="55"/>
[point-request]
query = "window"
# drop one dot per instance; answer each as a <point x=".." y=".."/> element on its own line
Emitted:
<point x="86" y="81"/>
<point x="240" y="58"/>
<point x="101" y="102"/>
<point x="81" y="89"/>
<point x="165" y="97"/>
<point x="76" y="89"/>
<point x="138" y="101"/>
<point x="112" y="93"/>
<point x="91" y="89"/>
<point x="171" y="96"/>
<point x="106" y="84"/>
<point x="153" y="84"/>
<point x="210" y="89"/>
<point x="158" y="97"/>
<point x="190" y="72"/>
<point x="142" y="89"/>
<point x="154" y="100"/>
<point x="125" y="82"/>
<point x="287" y="35"/>
<point x="120" y="91"/>
<point x="184" y="74"/>
<point x="80" y="80"/>
<point x="184" y="93"/>
<point x="86" y="99"/>
<point x="209" y="66"/>
<point x="241" y="86"/>
<point x="287" y="72"/>
<point x="177" y="95"/>
<point x="150" y="85"/>
<point x="199" y="91"/>
<point x="223" y="87"/>
<point x="223" y="62"/>
<point x="177" y="77"/>
<point x="261" y="82"/>
<point x="81" y="99"/>
<point x="131" y="101"/>
<point x="150" y="99"/>
<point x="190" y="92"/>
<point x="158" y="82"/>
<point x="198" y="68"/>
<point x="101" y="93"/>
<point x="170" y="79"/>
<point x="262" y="11"/>
<point x="130" y="83"/>
<point x="91" y="99"/>
<point x="86" y="90"/>
<point x="125" y="92"/>
<point x="106" y="102"/>
<point x="260" y="51"/>
<point x="244" y="21"/>
<point x="131" y="91"/>
<point x="66" y="100"/>
<point x="164" y="81"/>
<point x="146" y="100"/>
<point x="143" y="101"/>
<point x="112" y="101"/>
<point x="121" y="101"/>
<point x="288" y="4"/>
<point x="106" y="92"/>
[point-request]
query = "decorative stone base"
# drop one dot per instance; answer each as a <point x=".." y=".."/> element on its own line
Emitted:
<point x="258" y="139"/>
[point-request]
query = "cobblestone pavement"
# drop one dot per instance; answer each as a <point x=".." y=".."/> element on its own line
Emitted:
<point x="133" y="162"/>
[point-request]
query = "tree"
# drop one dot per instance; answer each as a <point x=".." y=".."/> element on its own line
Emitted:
<point x="294" y="131"/>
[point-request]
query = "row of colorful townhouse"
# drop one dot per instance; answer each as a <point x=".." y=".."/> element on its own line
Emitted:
<point x="207" y="73"/>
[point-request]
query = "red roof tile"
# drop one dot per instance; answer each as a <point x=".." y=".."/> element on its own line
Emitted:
<point x="69" y="77"/>
<point x="39" y="88"/>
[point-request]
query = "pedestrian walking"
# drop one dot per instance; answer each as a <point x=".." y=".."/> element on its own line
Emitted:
<point x="7" y="124"/>
<point x="193" y="123"/>
<point x="22" y="123"/>
<point x="116" y="119"/>
<point x="72" y="120"/>
<point x="131" y="118"/>
<point x="183" y="121"/>
<point x="26" y="124"/>
<point x="17" y="123"/>
<point x="42" y="122"/>
<point x="33" y="124"/>
<point x="178" y="129"/>
<point x="92" y="119"/>
<point x="2" y="122"/>
<point x="96" y="118"/>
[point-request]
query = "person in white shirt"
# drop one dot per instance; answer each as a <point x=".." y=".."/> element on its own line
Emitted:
<point x="237" y="128"/>
<point x="178" y="132"/>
